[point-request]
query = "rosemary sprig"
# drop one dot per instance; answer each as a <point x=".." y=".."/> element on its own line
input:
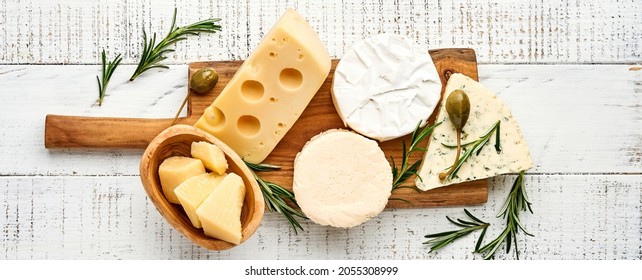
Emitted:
<point x="439" y="240"/>
<point x="108" y="70"/>
<point x="515" y="202"/>
<point x="154" y="53"/>
<point x="476" y="148"/>
<point x="400" y="174"/>
<point x="276" y="196"/>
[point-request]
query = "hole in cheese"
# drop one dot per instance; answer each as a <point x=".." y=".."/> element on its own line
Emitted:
<point x="273" y="100"/>
<point x="290" y="78"/>
<point x="254" y="68"/>
<point x="214" y="117"/>
<point x="252" y="90"/>
<point x="248" y="125"/>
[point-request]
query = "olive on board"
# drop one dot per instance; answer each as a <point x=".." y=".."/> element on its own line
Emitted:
<point x="203" y="80"/>
<point x="458" y="108"/>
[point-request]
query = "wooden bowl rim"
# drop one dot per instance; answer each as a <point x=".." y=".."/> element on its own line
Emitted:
<point x="210" y="242"/>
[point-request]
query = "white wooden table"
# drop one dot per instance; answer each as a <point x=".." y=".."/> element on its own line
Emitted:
<point x="566" y="68"/>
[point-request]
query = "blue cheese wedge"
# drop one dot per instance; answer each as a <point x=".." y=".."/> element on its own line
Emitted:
<point x="384" y="86"/>
<point x="485" y="110"/>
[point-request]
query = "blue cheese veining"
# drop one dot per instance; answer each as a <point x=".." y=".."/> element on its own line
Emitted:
<point x="384" y="86"/>
<point x="485" y="110"/>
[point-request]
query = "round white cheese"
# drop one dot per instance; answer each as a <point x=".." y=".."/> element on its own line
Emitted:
<point x="341" y="179"/>
<point x="384" y="86"/>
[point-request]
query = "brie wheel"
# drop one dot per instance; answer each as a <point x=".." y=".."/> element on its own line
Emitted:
<point x="384" y="86"/>
<point x="341" y="179"/>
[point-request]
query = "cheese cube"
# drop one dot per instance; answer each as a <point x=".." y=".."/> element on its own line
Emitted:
<point x="220" y="213"/>
<point x="270" y="90"/>
<point x="193" y="191"/>
<point x="174" y="170"/>
<point x="211" y="156"/>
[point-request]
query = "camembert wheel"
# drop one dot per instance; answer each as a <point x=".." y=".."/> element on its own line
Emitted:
<point x="384" y="86"/>
<point x="341" y="179"/>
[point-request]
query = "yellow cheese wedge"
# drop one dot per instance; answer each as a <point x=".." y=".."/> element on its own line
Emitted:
<point x="193" y="191"/>
<point x="174" y="170"/>
<point x="211" y="156"/>
<point x="220" y="213"/>
<point x="270" y="90"/>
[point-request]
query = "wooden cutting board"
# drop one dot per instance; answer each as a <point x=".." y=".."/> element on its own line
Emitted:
<point x="320" y="115"/>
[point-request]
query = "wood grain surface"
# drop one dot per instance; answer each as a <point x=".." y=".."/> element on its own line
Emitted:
<point x="320" y="115"/>
<point x="527" y="31"/>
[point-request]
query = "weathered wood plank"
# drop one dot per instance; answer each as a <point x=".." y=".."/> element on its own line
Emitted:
<point x="107" y="217"/>
<point x="73" y="32"/>
<point x="576" y="118"/>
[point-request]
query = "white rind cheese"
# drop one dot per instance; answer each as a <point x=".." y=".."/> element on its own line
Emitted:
<point x="485" y="110"/>
<point x="341" y="179"/>
<point x="384" y="86"/>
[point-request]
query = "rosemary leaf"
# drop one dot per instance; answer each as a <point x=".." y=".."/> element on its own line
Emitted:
<point x="515" y="202"/>
<point x="439" y="240"/>
<point x="475" y="148"/>
<point x="107" y="72"/>
<point x="153" y="54"/>
<point x="262" y="166"/>
<point x="276" y="197"/>
<point x="405" y="171"/>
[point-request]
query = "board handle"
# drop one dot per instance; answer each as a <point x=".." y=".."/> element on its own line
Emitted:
<point x="100" y="132"/>
<point x="450" y="61"/>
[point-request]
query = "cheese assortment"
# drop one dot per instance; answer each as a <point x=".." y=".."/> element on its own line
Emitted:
<point x="485" y="110"/>
<point x="341" y="179"/>
<point x="212" y="201"/>
<point x="270" y="90"/>
<point x="385" y="86"/>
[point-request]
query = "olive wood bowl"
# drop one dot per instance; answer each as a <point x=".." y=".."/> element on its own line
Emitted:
<point x="176" y="141"/>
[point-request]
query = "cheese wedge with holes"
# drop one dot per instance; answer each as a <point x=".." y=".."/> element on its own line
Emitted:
<point x="485" y="110"/>
<point x="270" y="90"/>
<point x="220" y="213"/>
<point x="174" y="170"/>
<point x="211" y="155"/>
<point x="194" y="190"/>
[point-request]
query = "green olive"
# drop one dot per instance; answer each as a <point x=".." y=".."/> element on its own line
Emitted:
<point x="203" y="80"/>
<point x="458" y="108"/>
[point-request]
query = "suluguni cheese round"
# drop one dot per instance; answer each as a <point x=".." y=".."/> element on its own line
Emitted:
<point x="341" y="179"/>
<point x="384" y="86"/>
